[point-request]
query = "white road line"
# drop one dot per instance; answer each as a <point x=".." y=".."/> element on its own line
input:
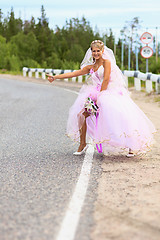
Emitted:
<point x="72" y="91"/>
<point x="68" y="90"/>
<point x="71" y="219"/>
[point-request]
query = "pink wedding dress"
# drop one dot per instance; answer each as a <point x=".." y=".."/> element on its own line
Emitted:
<point x="120" y="125"/>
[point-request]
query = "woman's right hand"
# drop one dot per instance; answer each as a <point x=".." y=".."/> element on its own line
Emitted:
<point x="86" y="114"/>
<point x="50" y="78"/>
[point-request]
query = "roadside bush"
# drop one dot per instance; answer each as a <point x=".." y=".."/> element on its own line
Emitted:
<point x="4" y="53"/>
<point x="13" y="63"/>
<point x="69" y="65"/>
<point x="54" y="61"/>
<point x="154" y="66"/>
<point x="30" y="63"/>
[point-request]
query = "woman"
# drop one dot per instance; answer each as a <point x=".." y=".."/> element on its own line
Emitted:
<point x="120" y="125"/>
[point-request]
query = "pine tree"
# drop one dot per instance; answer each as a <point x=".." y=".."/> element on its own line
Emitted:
<point x="44" y="36"/>
<point x="1" y="23"/>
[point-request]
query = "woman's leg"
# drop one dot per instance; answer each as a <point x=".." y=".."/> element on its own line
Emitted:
<point x="82" y="136"/>
<point x="83" y="131"/>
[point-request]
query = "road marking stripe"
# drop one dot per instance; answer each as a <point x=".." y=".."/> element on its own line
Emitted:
<point x="71" y="219"/>
<point x="68" y="90"/>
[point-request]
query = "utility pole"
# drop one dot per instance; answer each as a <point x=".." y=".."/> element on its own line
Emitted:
<point x="114" y="47"/>
<point x="122" y="54"/>
<point x="136" y="50"/>
<point x="104" y="40"/>
<point x="156" y="45"/>
<point x="129" y="56"/>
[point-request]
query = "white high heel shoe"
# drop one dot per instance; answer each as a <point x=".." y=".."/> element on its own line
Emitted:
<point x="80" y="153"/>
<point x="129" y="155"/>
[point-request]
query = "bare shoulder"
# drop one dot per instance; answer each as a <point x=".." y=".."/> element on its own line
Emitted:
<point x="87" y="68"/>
<point x="106" y="63"/>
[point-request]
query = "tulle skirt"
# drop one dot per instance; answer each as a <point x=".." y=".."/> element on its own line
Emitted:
<point x="120" y="124"/>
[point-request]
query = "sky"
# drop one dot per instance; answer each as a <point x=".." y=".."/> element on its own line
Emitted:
<point x="102" y="14"/>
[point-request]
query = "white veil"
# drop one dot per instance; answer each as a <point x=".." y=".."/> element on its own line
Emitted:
<point x="107" y="54"/>
<point x="116" y="74"/>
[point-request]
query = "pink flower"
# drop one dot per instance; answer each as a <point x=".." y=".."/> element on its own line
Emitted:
<point x="91" y="71"/>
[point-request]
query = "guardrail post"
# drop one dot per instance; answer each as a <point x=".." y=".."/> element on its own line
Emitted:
<point x="44" y="74"/>
<point x="149" y="87"/>
<point x="24" y="72"/>
<point x="36" y="73"/>
<point x="29" y="73"/>
<point x="74" y="79"/>
<point x="157" y="87"/>
<point x="126" y="81"/>
<point x="137" y="84"/>
<point x="51" y="73"/>
<point x="80" y="79"/>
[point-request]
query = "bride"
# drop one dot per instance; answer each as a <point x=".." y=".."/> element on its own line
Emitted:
<point x="120" y="125"/>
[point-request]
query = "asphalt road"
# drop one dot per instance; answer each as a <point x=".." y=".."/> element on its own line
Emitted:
<point x="38" y="171"/>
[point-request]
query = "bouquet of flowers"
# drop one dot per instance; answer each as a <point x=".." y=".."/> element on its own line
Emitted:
<point x="90" y="106"/>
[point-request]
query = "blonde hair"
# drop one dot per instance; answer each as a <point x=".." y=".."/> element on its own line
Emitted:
<point x="98" y="44"/>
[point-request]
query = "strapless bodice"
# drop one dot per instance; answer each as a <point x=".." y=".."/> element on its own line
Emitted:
<point x="116" y="80"/>
<point x="97" y="76"/>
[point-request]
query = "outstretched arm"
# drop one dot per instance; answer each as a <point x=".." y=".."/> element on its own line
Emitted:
<point x="107" y="72"/>
<point x="77" y="73"/>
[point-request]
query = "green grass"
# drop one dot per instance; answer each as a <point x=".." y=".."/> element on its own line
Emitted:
<point x="154" y="86"/>
<point x="143" y="84"/>
<point x="157" y="99"/>
<point x="144" y="90"/>
<point x="4" y="71"/>
<point x="131" y="82"/>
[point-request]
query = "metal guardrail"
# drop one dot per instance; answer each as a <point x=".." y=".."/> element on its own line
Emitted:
<point x="149" y="78"/>
<point x="138" y="76"/>
<point x="43" y="72"/>
<point x="142" y="76"/>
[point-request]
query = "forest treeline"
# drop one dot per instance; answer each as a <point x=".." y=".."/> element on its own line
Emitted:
<point x="34" y="44"/>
